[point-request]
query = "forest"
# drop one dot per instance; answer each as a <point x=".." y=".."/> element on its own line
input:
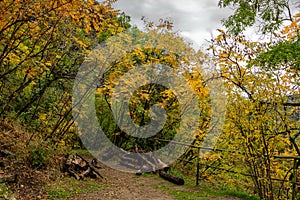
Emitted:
<point x="77" y="76"/>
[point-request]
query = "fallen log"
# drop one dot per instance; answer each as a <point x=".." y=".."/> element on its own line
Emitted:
<point x="129" y="164"/>
<point x="94" y="162"/>
<point x="169" y="177"/>
<point x="92" y="168"/>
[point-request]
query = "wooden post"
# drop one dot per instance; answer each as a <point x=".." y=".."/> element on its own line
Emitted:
<point x="197" y="174"/>
<point x="294" y="179"/>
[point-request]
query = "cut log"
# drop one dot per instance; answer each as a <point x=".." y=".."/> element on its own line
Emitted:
<point x="90" y="166"/>
<point x="129" y="164"/>
<point x="78" y="167"/>
<point x="73" y="173"/>
<point x="95" y="163"/>
<point x="171" y="178"/>
<point x="148" y="163"/>
<point x="142" y="162"/>
<point x="133" y="160"/>
<point x="163" y="165"/>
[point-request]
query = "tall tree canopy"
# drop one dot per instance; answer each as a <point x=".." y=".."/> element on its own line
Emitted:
<point x="42" y="46"/>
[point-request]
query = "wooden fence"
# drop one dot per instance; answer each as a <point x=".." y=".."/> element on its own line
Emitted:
<point x="294" y="158"/>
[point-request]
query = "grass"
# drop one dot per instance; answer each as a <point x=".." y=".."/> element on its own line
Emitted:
<point x="242" y="195"/>
<point x="82" y="152"/>
<point x="204" y="191"/>
<point x="5" y="193"/>
<point x="68" y="187"/>
<point x="193" y="193"/>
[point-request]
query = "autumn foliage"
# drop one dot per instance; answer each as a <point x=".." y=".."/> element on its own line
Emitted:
<point x="44" y="42"/>
<point x="42" y="45"/>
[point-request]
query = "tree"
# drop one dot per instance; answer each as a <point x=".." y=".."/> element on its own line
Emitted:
<point x="285" y="50"/>
<point x="258" y="124"/>
<point x="188" y="63"/>
<point x="270" y="14"/>
<point x="275" y="64"/>
<point x="42" y="46"/>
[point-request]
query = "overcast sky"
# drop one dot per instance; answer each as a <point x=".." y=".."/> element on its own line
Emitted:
<point x="195" y="20"/>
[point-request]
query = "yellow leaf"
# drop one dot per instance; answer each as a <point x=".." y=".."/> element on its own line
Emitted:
<point x="49" y="64"/>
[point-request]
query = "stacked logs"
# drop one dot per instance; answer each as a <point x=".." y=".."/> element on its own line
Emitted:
<point x="6" y="177"/>
<point x="78" y="167"/>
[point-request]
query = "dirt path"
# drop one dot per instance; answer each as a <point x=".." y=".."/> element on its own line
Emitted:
<point x="126" y="186"/>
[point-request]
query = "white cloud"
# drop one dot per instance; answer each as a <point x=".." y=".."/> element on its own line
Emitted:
<point x="194" y="19"/>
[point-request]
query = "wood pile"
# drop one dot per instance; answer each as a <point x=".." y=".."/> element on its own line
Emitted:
<point x="6" y="177"/>
<point x="79" y="167"/>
